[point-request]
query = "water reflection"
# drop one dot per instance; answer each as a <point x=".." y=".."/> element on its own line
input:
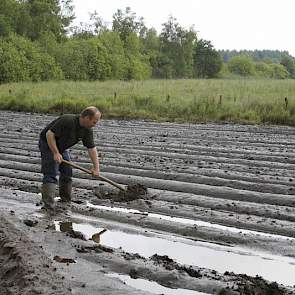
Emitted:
<point x="190" y="221"/>
<point x="153" y="287"/>
<point x="80" y="231"/>
<point x="221" y="258"/>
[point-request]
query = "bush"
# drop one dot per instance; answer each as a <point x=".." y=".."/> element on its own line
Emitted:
<point x="241" y="65"/>
<point x="138" y="70"/>
<point x="84" y="60"/>
<point x="278" y="71"/>
<point x="263" y="69"/>
<point x="117" y="59"/>
<point x="13" y="64"/>
<point x="22" y="60"/>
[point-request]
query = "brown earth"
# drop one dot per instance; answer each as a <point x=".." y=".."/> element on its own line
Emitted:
<point x="233" y="175"/>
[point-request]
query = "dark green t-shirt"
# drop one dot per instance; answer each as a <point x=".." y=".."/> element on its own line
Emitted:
<point x="68" y="132"/>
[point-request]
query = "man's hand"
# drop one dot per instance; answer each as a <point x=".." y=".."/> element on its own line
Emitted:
<point x="50" y="137"/>
<point x="94" y="159"/>
<point x="95" y="171"/>
<point x="58" y="158"/>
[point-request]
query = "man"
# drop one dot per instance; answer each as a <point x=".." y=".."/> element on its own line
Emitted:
<point x="55" y="140"/>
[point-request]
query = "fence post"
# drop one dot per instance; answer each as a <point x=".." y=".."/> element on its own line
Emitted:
<point x="220" y="99"/>
<point x="286" y="102"/>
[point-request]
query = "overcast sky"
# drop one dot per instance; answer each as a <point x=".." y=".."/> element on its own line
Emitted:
<point x="228" y="24"/>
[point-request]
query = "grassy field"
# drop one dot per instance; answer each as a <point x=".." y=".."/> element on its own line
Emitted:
<point x="253" y="101"/>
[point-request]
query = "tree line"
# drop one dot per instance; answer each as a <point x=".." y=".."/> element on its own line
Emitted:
<point x="38" y="43"/>
<point x="256" y="55"/>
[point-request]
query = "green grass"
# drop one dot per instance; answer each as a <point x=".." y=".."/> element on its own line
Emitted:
<point x="251" y="101"/>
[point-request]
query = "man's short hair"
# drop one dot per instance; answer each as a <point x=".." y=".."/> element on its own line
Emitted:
<point x="89" y="112"/>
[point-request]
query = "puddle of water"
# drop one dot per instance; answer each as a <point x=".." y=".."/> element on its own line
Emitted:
<point x="190" y="221"/>
<point x="153" y="287"/>
<point x="87" y="230"/>
<point x="221" y="258"/>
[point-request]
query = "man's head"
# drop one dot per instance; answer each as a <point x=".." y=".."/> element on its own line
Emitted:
<point x="89" y="117"/>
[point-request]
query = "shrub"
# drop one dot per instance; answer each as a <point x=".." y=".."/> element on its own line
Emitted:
<point x="278" y="71"/>
<point x="22" y="60"/>
<point x="241" y="65"/>
<point x="13" y="64"/>
<point x="84" y="60"/>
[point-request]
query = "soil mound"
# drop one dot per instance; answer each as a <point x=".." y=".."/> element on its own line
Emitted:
<point x="133" y="192"/>
<point x="246" y="285"/>
<point x="24" y="268"/>
<point x="170" y="264"/>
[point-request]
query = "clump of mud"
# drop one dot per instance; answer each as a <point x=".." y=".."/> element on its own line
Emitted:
<point x="170" y="264"/>
<point x="258" y="285"/>
<point x="133" y="192"/>
<point x="247" y="285"/>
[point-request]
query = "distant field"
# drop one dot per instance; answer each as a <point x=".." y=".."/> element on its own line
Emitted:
<point x="253" y="101"/>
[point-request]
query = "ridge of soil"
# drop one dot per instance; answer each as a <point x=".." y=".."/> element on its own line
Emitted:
<point x="24" y="267"/>
<point x="238" y="177"/>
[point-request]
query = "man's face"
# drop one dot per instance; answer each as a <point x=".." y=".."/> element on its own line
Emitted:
<point x="90" y="122"/>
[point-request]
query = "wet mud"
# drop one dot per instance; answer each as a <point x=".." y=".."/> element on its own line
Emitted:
<point x="25" y="269"/>
<point x="228" y="189"/>
<point x="130" y="193"/>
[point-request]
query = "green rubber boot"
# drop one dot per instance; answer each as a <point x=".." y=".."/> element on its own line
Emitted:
<point x="48" y="194"/>
<point x="65" y="191"/>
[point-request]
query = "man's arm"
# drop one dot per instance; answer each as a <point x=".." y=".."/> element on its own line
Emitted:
<point x="53" y="147"/>
<point x="94" y="159"/>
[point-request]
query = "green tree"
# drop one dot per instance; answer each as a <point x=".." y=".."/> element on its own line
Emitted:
<point x="8" y="16"/>
<point x="263" y="69"/>
<point x="126" y="22"/>
<point x="278" y="71"/>
<point x="176" y="50"/>
<point x="94" y="27"/>
<point x="40" y="64"/>
<point x="138" y="69"/>
<point x="188" y="45"/>
<point x="13" y="64"/>
<point x="48" y="43"/>
<point x="207" y="61"/>
<point x="5" y="28"/>
<point x="84" y="60"/>
<point x="83" y="31"/>
<point x="171" y="58"/>
<point x="35" y="17"/>
<point x="22" y="60"/>
<point x="138" y="63"/>
<point x="241" y="65"/>
<point x="115" y="49"/>
<point x="274" y="56"/>
<point x="151" y="48"/>
<point x="98" y="24"/>
<point x="164" y="67"/>
<point x="289" y="65"/>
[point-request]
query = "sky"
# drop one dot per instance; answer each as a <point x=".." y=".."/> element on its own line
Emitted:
<point x="228" y="24"/>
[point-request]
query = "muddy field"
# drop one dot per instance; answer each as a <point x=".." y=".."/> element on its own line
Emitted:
<point x="218" y="216"/>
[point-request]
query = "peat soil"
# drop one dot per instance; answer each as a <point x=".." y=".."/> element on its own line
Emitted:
<point x="226" y="191"/>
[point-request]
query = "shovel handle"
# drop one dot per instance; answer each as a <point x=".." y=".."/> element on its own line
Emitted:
<point x="89" y="172"/>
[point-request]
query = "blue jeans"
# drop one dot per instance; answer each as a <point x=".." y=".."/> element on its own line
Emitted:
<point x="50" y="168"/>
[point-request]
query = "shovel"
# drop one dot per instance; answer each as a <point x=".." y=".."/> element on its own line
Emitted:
<point x="98" y="177"/>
